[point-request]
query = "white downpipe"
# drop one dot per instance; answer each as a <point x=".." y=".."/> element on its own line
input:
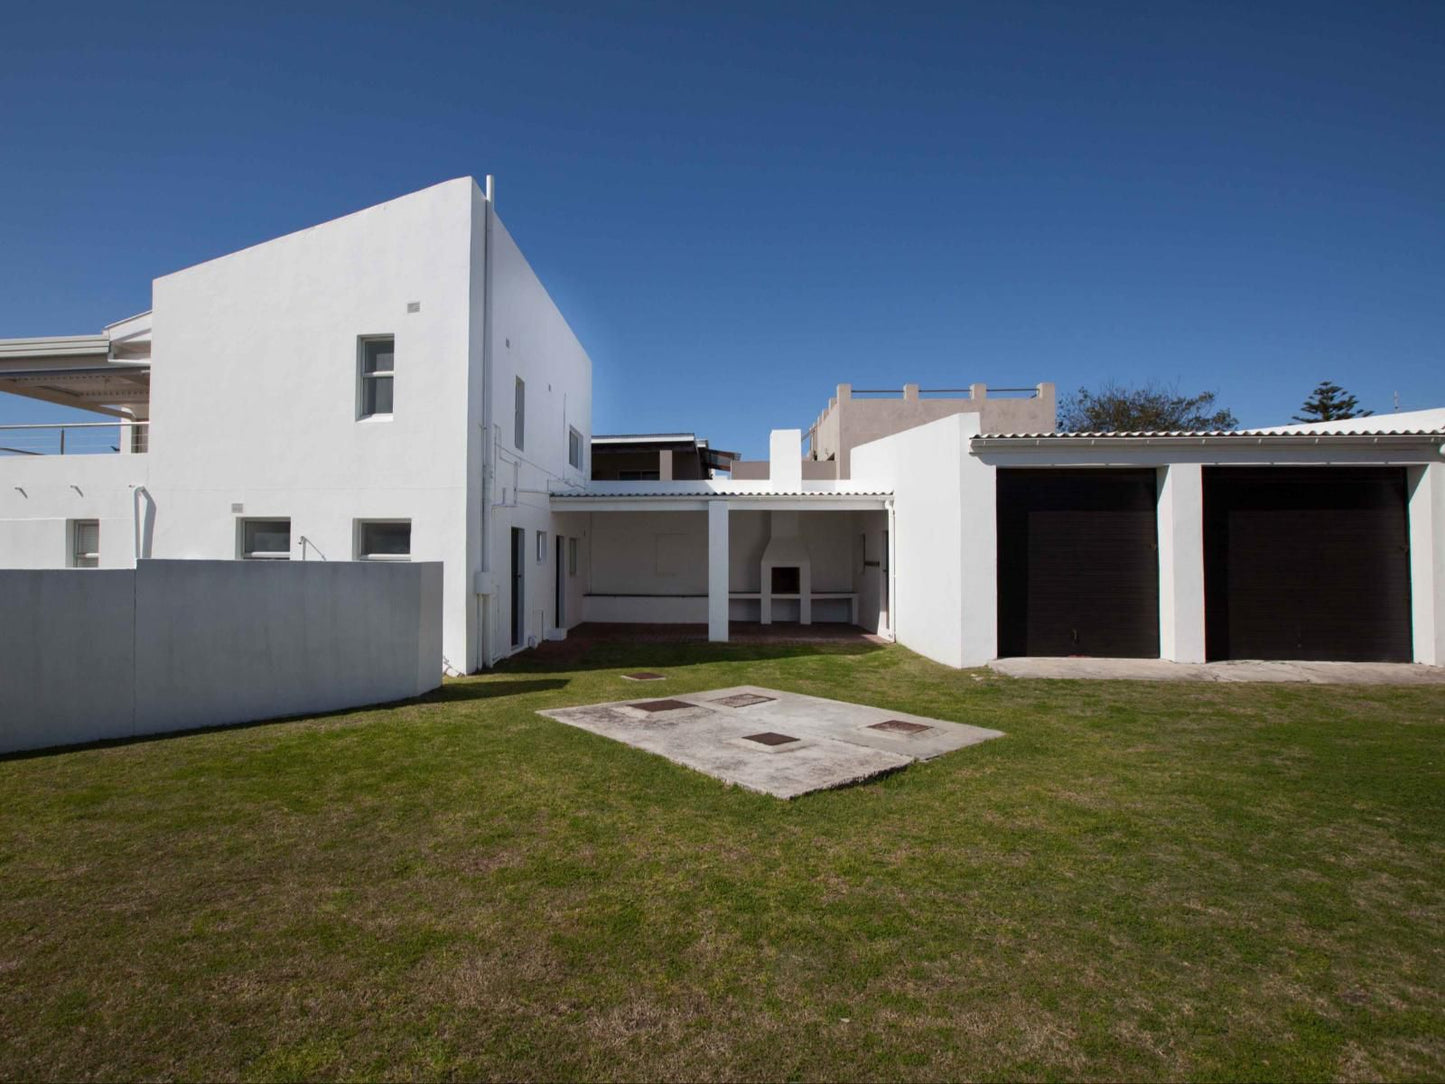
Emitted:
<point x="488" y="438"/>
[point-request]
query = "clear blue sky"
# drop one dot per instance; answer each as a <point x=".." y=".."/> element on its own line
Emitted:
<point x="738" y="206"/>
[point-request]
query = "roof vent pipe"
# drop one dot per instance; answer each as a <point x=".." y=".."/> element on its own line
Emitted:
<point x="491" y="189"/>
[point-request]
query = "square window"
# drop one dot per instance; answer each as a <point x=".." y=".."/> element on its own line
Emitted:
<point x="266" y="539"/>
<point x="383" y="540"/>
<point x="574" y="448"/>
<point x="377" y="362"/>
<point x="85" y="543"/>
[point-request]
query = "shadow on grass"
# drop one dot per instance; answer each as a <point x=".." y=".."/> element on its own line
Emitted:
<point x="648" y="654"/>
<point x="487" y="690"/>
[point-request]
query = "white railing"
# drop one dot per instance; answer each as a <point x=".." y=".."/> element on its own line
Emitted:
<point x="75" y="438"/>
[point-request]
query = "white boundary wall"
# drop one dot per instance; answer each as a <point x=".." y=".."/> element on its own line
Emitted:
<point x="94" y="654"/>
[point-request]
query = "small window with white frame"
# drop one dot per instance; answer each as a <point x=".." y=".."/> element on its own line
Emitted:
<point x="266" y="540"/>
<point x="571" y="556"/>
<point x="574" y="447"/>
<point x="541" y="546"/>
<point x="85" y="543"/>
<point x="376" y="361"/>
<point x="383" y="540"/>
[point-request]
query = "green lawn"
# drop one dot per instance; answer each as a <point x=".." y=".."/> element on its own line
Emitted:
<point x="1141" y="881"/>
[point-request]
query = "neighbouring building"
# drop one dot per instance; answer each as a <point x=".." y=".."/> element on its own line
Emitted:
<point x="397" y="385"/>
<point x="857" y="416"/>
<point x="653" y="457"/>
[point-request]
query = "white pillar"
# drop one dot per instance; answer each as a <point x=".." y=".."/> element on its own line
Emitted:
<point x="717" y="571"/>
<point x="1427" y="561"/>
<point x="1181" y="562"/>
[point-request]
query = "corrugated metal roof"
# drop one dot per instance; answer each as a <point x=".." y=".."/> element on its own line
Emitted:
<point x="693" y="494"/>
<point x="1214" y="434"/>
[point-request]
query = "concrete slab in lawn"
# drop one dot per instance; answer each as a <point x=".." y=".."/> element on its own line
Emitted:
<point x="783" y="744"/>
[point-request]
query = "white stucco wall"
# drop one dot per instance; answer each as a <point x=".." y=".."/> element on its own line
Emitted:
<point x="255" y="406"/>
<point x="944" y="539"/>
<point x="41" y="495"/>
<point x="531" y="339"/>
<point x="1180" y="521"/>
<point x="174" y="645"/>
<point x="1427" y="561"/>
<point x="254" y="390"/>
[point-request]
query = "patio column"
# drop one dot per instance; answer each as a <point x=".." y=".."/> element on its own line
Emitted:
<point x="1181" y="562"/>
<point x="717" y="571"/>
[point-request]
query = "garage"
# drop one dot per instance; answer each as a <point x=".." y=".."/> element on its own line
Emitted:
<point x="1078" y="563"/>
<point x="1307" y="563"/>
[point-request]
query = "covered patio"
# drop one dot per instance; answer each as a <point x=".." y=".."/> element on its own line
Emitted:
<point x="675" y="561"/>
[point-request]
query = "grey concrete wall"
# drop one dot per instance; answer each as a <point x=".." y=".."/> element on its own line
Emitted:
<point x="67" y="658"/>
<point x="87" y="654"/>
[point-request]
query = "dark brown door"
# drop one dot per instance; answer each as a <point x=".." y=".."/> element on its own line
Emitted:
<point x="1078" y="563"/>
<point x="1306" y="563"/>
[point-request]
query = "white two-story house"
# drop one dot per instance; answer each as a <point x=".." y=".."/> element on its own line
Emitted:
<point x="395" y="384"/>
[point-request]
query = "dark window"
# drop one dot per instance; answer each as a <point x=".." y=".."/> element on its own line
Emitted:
<point x="378" y="370"/>
<point x="519" y="419"/>
<point x="574" y="448"/>
<point x="266" y="539"/>
<point x="384" y="540"/>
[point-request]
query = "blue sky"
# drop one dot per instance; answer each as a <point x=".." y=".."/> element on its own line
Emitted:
<point x="738" y="206"/>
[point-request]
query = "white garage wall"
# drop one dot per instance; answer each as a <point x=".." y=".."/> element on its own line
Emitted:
<point x="87" y="655"/>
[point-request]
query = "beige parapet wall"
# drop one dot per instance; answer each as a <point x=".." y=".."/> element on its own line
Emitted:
<point x="94" y="654"/>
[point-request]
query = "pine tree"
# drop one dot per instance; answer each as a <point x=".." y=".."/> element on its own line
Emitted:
<point x="1329" y="402"/>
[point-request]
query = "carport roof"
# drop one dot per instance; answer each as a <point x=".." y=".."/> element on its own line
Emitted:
<point x="671" y="496"/>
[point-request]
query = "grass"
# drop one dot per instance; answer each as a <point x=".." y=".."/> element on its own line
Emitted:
<point x="1139" y="881"/>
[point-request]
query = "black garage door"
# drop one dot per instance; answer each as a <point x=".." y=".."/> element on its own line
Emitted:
<point x="1078" y="563"/>
<point x="1306" y="563"/>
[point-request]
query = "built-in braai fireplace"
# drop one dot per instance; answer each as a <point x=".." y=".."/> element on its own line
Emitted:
<point x="787" y="580"/>
<point x="787" y="572"/>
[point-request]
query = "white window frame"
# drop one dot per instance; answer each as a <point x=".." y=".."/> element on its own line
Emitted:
<point x="541" y="547"/>
<point x="362" y="377"/>
<point x="359" y="535"/>
<point x="88" y="558"/>
<point x="261" y="555"/>
<point x="574" y="440"/>
<point x="571" y="556"/>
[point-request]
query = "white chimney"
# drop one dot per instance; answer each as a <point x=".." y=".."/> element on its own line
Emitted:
<point x="785" y="460"/>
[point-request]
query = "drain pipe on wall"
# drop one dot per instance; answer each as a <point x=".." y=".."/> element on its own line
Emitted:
<point x="483" y="584"/>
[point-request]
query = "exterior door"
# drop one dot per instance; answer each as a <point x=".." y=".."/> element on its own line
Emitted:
<point x="519" y="586"/>
<point x="1308" y="563"/>
<point x="560" y="549"/>
<point x="1078" y="563"/>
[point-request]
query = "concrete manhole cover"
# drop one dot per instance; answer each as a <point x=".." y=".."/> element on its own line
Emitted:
<point x="899" y="726"/>
<point x="769" y="737"/>
<point x="661" y="705"/>
<point x="743" y="700"/>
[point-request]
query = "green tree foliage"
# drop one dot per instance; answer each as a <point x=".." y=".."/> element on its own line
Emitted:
<point x="1330" y="401"/>
<point x="1114" y="408"/>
